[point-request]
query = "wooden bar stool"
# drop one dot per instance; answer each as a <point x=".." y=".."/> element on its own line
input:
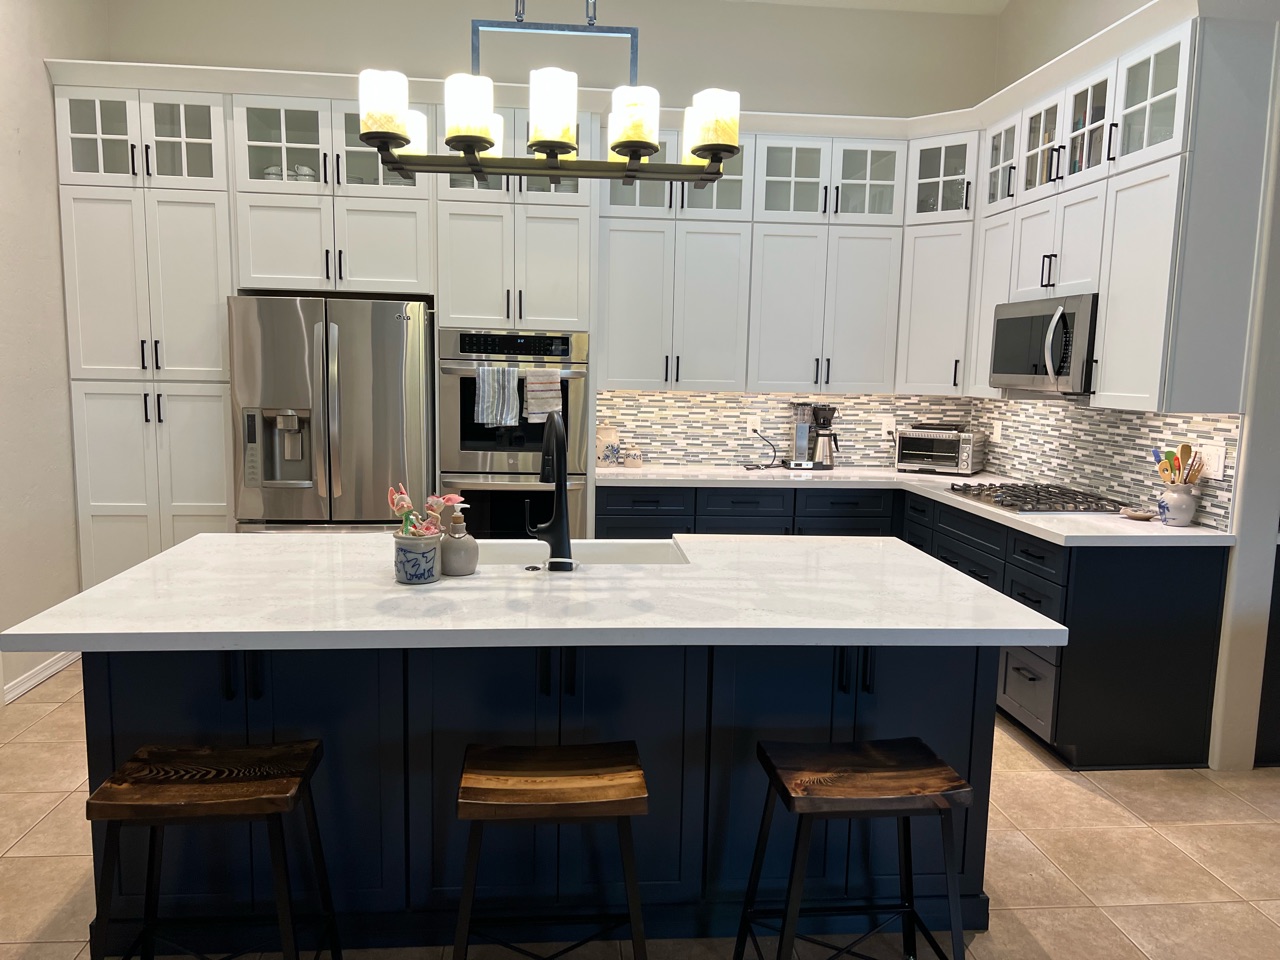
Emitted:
<point x="567" y="784"/>
<point x="851" y="781"/>
<point x="164" y="786"/>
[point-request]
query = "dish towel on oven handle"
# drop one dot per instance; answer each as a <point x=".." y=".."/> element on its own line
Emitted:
<point x="542" y="395"/>
<point x="497" y="396"/>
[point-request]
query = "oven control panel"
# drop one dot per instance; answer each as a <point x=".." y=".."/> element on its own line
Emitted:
<point x="514" y="345"/>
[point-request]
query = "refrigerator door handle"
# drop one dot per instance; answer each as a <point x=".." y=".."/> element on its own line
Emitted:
<point x="335" y="413"/>
<point x="319" y="455"/>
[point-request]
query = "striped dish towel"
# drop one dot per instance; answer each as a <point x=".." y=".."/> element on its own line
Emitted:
<point x="542" y="395"/>
<point x="497" y="396"/>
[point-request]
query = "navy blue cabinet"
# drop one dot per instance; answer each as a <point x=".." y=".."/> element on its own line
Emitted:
<point x="1269" y="716"/>
<point x="641" y="528"/>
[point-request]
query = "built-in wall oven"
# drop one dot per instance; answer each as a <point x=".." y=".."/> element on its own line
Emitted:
<point x="496" y="468"/>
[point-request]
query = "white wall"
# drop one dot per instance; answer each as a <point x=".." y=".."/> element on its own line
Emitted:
<point x="38" y="561"/>
<point x="1030" y="33"/>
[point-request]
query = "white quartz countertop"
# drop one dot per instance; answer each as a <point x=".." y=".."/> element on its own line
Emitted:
<point x="316" y="591"/>
<point x="1065" y="529"/>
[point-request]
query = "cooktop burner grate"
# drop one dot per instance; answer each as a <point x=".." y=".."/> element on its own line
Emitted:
<point x="1038" y="498"/>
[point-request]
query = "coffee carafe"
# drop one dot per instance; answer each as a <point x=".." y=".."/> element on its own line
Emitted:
<point x="826" y="443"/>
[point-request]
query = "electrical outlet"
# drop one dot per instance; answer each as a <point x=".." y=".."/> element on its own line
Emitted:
<point x="1215" y="460"/>
<point x="997" y="431"/>
<point x="753" y="424"/>
<point x="887" y="424"/>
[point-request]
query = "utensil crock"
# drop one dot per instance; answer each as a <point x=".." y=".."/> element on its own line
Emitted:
<point x="417" y="559"/>
<point x="1177" y="504"/>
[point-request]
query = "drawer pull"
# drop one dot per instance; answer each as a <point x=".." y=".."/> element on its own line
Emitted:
<point x="744" y="503"/>
<point x="984" y="577"/>
<point x="1030" y="599"/>
<point x="1034" y="556"/>
<point x="1026" y="674"/>
<point x="920" y="510"/>
<point x="949" y="561"/>
<point x="645" y="503"/>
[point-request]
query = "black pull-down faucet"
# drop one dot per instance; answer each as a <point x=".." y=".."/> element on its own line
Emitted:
<point x="555" y="532"/>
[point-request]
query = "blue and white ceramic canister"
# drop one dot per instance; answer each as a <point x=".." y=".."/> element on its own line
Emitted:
<point x="1177" y="504"/>
<point x="417" y="559"/>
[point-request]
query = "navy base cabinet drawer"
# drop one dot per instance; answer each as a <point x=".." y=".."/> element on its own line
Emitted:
<point x="921" y="509"/>
<point x="918" y="535"/>
<point x="1040" y="557"/>
<point x="844" y="503"/>
<point x="1037" y="593"/>
<point x="644" y="501"/>
<point x="970" y="530"/>
<point x="730" y="502"/>
<point x="974" y="563"/>
<point x="759" y="526"/>
<point x="1028" y="690"/>
<point x="641" y="528"/>
<point x="844" y="527"/>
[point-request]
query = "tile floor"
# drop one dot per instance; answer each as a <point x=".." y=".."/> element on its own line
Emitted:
<point x="1120" y="865"/>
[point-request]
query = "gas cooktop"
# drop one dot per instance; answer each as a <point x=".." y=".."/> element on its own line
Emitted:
<point x="1038" y="498"/>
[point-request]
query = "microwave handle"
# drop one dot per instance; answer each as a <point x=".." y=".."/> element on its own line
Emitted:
<point x="1050" y="367"/>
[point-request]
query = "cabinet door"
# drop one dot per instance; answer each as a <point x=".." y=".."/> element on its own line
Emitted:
<point x="104" y="275"/>
<point x="658" y="698"/>
<point x="1000" y="175"/>
<point x="1089" y="133"/>
<point x="183" y="140"/>
<point x="285" y="242"/>
<point x="98" y="136"/>
<point x="189" y="259"/>
<point x="713" y="290"/>
<point x="729" y="198"/>
<point x="357" y="171"/>
<point x="383" y="245"/>
<point x="570" y="191"/>
<point x="1033" y="238"/>
<point x="650" y="198"/>
<point x="940" y="183"/>
<point x="933" y="315"/>
<point x="788" y="297"/>
<point x="475" y="247"/>
<point x="869" y="181"/>
<point x="1138" y="244"/>
<point x="193" y="428"/>
<point x="283" y="145"/>
<point x="117" y="498"/>
<point x="1042" y="150"/>
<point x="463" y="186"/>
<point x="1152" y="99"/>
<point x="637" y="278"/>
<point x="553" y="269"/>
<point x="792" y="180"/>
<point x="860" y="333"/>
<point x="992" y="270"/>
<point x="1078" y="240"/>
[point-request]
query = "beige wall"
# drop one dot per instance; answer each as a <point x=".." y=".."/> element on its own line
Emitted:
<point x="38" y="560"/>
<point x="1030" y="33"/>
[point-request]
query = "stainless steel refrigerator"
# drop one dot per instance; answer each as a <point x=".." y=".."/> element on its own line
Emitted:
<point x="330" y="399"/>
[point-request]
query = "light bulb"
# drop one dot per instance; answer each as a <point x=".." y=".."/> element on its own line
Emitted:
<point x="384" y="101"/>
<point x="636" y="110"/>
<point x="468" y="106"/>
<point x="416" y="131"/>
<point x="553" y="108"/>
<point x="718" y="116"/>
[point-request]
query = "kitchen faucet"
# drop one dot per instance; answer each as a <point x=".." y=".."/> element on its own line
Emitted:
<point x="555" y="532"/>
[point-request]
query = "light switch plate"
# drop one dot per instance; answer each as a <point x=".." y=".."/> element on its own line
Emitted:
<point x="1215" y="460"/>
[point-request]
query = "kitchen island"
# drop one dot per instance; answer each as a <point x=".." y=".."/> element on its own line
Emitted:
<point x="710" y="645"/>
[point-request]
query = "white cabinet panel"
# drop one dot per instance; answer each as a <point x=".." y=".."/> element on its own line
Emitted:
<point x="1078" y="240"/>
<point x="99" y="136"/>
<point x="283" y="145"/>
<point x="712" y="295"/>
<point x="861" y="327"/>
<point x="383" y="245"/>
<point x="788" y="285"/>
<point x="993" y="264"/>
<point x="1151" y="105"/>
<point x="184" y="140"/>
<point x="193" y="426"/>
<point x="285" y="242"/>
<point x="1033" y="235"/>
<point x="553" y="268"/>
<point x="1133" y="300"/>
<point x="189" y="254"/>
<point x="637" y="270"/>
<point x="476" y="258"/>
<point x="933" y="315"/>
<point x="104" y="265"/>
<point x="940" y="175"/>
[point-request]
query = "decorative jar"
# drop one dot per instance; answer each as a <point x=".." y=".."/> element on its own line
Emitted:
<point x="1177" y="504"/>
<point x="418" y="558"/>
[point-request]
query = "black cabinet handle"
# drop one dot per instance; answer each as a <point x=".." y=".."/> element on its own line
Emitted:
<point x="1049" y="177"/>
<point x="915" y="509"/>
<point x="146" y="408"/>
<point x="827" y="379"/>
<point x="666" y="369"/>
<point x="817" y="367"/>
<point x="508" y="311"/>
<point x="337" y="169"/>
<point x="1027" y="553"/>
<point x="671" y="193"/>
<point x="677" y="368"/>
<point x="1030" y="599"/>
<point x="155" y="352"/>
<point x="967" y="184"/>
<point x="544" y="671"/>
<point x="133" y="159"/>
<point x="146" y="158"/>
<point x="682" y="186"/>
<point x="1026" y="674"/>
<point x="647" y="503"/>
<point x="254" y="661"/>
<point x="1049" y="279"/>
<point x="326" y="263"/>
<point x="835" y="207"/>
<point x="955" y="374"/>
<point x="1111" y="133"/>
<point x="844" y="674"/>
<point x="984" y="577"/>
<point x="744" y="503"/>
<point x="520" y="305"/>
<point x="1044" y="260"/>
<point x="1062" y="153"/>
<point x="1008" y="195"/>
<point x="142" y="349"/>
<point x="325" y="165"/>
<point x="824" y="199"/>
<point x="868" y="669"/>
<point x="159" y="408"/>
<point x="340" y="252"/>
<point x="949" y="561"/>
<point x="226" y="662"/>
<point x="569" y="664"/>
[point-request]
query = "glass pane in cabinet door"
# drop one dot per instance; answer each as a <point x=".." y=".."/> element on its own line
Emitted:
<point x="1079" y="110"/>
<point x="806" y="196"/>
<point x="394" y="178"/>
<point x="1010" y="135"/>
<point x="360" y="167"/>
<point x="262" y="124"/>
<point x="777" y="162"/>
<point x="1096" y="148"/>
<point x="169" y="158"/>
<point x="1032" y="178"/>
<point x="777" y="195"/>
<point x="955" y="161"/>
<point x="114" y="118"/>
<point x="84" y="116"/>
<point x="351" y="132"/>
<point x="1098" y="110"/>
<point x="544" y="185"/>
<point x="1075" y="154"/>
<point x="993" y="186"/>
<point x="301" y="126"/>
<point x="884" y="166"/>
<point x="880" y="198"/>
<point x="652" y="194"/>
<point x="927" y="196"/>
<point x="200" y="160"/>
<point x="953" y="195"/>
<point x="854" y="165"/>
<point x="1132" y="129"/>
<point x="704" y="199"/>
<point x="994" y="161"/>
<point x="1033" y="133"/>
<point x="1137" y="83"/>
<point x="808" y="163"/>
<point x="84" y="154"/>
<point x="1051" y="124"/>
<point x="733" y="166"/>
<point x="930" y="167"/>
<point x="303" y="164"/>
<point x="853" y="198"/>
<point x="1160" y="120"/>
<point x="728" y="194"/>
<point x="1164" y="75"/>
<point x="168" y="120"/>
<point x="465" y="181"/>
<point x="199" y="121"/>
<point x="265" y="163"/>
<point x="115" y="157"/>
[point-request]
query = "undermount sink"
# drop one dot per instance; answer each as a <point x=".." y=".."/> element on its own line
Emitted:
<point x="586" y="552"/>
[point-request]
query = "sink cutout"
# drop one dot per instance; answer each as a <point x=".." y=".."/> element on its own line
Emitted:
<point x="586" y="552"/>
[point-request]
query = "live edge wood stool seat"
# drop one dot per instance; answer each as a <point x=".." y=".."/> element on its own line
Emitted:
<point x="574" y="783"/>
<point x="163" y="786"/>
<point x="875" y="778"/>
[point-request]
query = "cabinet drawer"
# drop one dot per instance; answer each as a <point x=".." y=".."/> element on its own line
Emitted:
<point x="844" y="503"/>
<point x="731" y="502"/>
<point x="844" y="527"/>
<point x="1028" y="690"/>
<point x="761" y="526"/>
<point x="645" y="501"/>
<point x="1036" y="592"/>
<point x="970" y="530"/>
<point x="918" y="535"/>
<point x="921" y="509"/>
<point x="1051" y="655"/>
<point x="967" y="560"/>
<point x="641" y="528"/>
<point x="1042" y="558"/>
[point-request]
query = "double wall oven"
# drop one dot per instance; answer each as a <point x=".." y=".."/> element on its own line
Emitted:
<point x="496" y="468"/>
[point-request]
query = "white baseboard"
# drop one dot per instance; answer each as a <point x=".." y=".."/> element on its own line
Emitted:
<point x="33" y="678"/>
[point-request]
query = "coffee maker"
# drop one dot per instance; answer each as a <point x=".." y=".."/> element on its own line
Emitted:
<point x="826" y="443"/>
<point x="803" y="438"/>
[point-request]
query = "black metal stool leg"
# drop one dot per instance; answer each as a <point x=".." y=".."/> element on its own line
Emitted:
<point x="907" y="889"/>
<point x="795" y="888"/>
<point x="463" y="933"/>
<point x="951" y="859"/>
<point x="757" y="867"/>
<point x="151" y="903"/>
<point x="639" y="948"/>
<point x="106" y="886"/>
<point x="322" y="873"/>
<point x="284" y="891"/>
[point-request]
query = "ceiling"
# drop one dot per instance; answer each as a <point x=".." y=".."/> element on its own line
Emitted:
<point x="976" y="7"/>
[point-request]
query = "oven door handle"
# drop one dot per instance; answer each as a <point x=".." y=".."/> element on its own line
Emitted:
<point x="1050" y="367"/>
<point x="467" y="368"/>
<point x="461" y="481"/>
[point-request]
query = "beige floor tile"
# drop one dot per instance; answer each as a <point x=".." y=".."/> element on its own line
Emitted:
<point x="45" y="898"/>
<point x="68" y="950"/>
<point x="77" y="697"/>
<point x="1175" y="796"/>
<point x="19" y="812"/>
<point x="63" y="833"/>
<point x="57" y="689"/>
<point x="1009" y="754"/>
<point x="1064" y="933"/>
<point x="1260" y="787"/>
<point x="1270" y="907"/>
<point x="997" y="820"/>
<point x="1244" y="856"/>
<point x="1197" y="931"/>
<point x="1056" y="799"/>
<point x="42" y="767"/>
<point x="16" y="717"/>
<point x="1019" y="875"/>
<point x="1127" y="865"/>
<point x="65" y="723"/>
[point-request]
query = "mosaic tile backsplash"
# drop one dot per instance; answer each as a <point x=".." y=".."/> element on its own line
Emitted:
<point x="1046" y="441"/>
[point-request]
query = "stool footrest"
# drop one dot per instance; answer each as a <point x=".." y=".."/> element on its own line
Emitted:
<point x="604" y="923"/>
<point x="905" y="912"/>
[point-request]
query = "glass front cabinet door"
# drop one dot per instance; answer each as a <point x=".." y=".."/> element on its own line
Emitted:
<point x="729" y="198"/>
<point x="1152" y="100"/>
<point x="357" y="171"/>
<point x="570" y="191"/>
<point x="940" y="188"/>
<point x="651" y="199"/>
<point x="1042" y="150"/>
<point x="868" y="180"/>
<point x="792" y="180"/>
<point x="283" y="145"/>
<point x="1090" y="135"/>
<point x="1000" y="173"/>
<point x="463" y="186"/>
<point x="99" y="136"/>
<point x="183" y="140"/>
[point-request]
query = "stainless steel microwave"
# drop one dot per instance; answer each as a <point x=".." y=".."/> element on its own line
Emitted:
<point x="1045" y="345"/>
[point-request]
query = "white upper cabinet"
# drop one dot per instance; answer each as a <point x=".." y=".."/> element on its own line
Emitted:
<point x="570" y="191"/>
<point x="992" y="267"/>
<point x="552" y="268"/>
<point x="99" y="136"/>
<point x="193" y="460"/>
<point x="1000" y="171"/>
<point x="1152" y="99"/>
<point x="463" y="186"/>
<point x="1057" y="244"/>
<point x="476" y="265"/>
<point x="648" y="198"/>
<point x="788" y="300"/>
<point x="283" y="144"/>
<point x="183" y="140"/>
<point x="941" y="175"/>
<point x="712" y="294"/>
<point x="934" y="310"/>
<point x="1033" y="235"/>
<point x="285" y="243"/>
<point x="1088" y="109"/>
<point x="869" y="181"/>
<point x="382" y="245"/>
<point x="860" y="328"/>
<point x="1042" y="150"/>
<point x="357" y="171"/>
<point x="792" y="180"/>
<point x="729" y="198"/>
<point x="632" y="346"/>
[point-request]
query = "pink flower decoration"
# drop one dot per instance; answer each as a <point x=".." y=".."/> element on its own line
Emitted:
<point x="452" y="499"/>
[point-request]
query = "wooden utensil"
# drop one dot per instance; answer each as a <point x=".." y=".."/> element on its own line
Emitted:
<point x="1196" y="469"/>
<point x="1166" y="472"/>
<point x="1184" y="458"/>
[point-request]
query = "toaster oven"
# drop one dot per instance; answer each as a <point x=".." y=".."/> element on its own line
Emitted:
<point x="950" y="448"/>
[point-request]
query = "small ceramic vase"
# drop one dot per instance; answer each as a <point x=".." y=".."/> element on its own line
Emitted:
<point x="1177" y="504"/>
<point x="418" y="559"/>
<point x="608" y="452"/>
